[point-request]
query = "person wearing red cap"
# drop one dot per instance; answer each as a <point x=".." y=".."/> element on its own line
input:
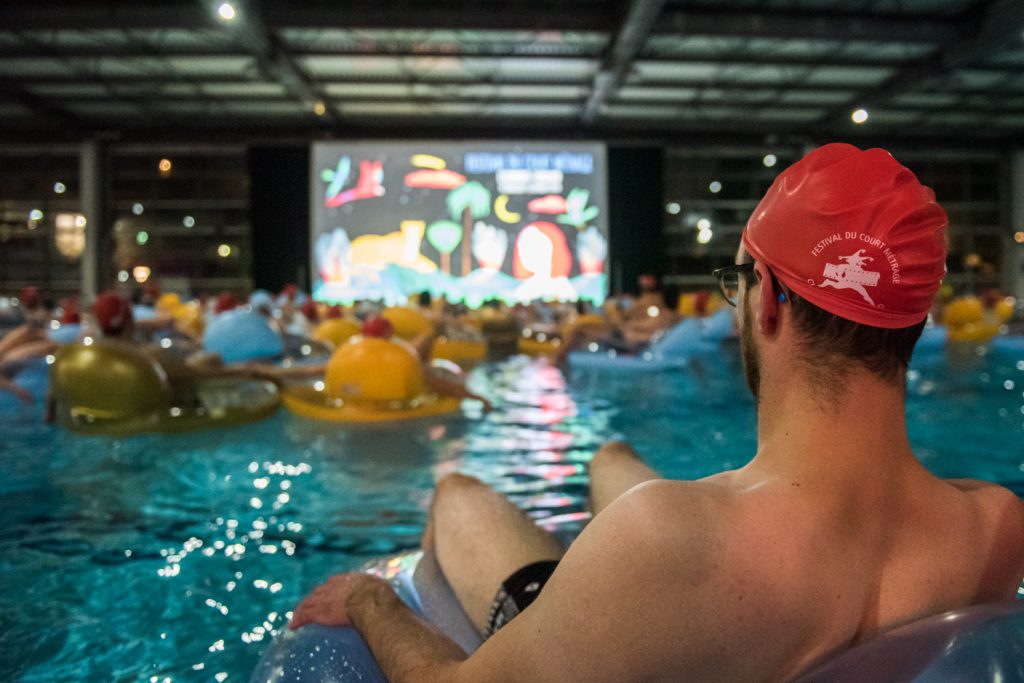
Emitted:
<point x="833" y="533"/>
<point x="26" y="342"/>
<point x="438" y="381"/>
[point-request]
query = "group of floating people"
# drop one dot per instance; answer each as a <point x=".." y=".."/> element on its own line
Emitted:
<point x="160" y="363"/>
<point x="832" y="555"/>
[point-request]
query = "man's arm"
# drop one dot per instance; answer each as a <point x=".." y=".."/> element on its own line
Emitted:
<point x="610" y="612"/>
<point x="405" y="647"/>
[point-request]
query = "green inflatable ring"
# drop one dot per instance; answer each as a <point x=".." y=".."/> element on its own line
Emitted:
<point x="108" y="387"/>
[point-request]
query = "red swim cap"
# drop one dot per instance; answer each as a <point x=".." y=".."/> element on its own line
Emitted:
<point x="30" y="298"/>
<point x="309" y="310"/>
<point x="377" y="327"/>
<point x="225" y="302"/>
<point x="71" y="313"/>
<point x="112" y="312"/>
<point x="855" y="233"/>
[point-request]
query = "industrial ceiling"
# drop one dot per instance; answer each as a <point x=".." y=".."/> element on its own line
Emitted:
<point x="947" y="69"/>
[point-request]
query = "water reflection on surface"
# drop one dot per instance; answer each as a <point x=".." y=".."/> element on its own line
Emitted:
<point x="177" y="557"/>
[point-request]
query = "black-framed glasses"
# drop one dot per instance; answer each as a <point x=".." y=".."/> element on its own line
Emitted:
<point x="729" y="279"/>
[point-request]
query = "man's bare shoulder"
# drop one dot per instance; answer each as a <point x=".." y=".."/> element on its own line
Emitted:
<point x="993" y="499"/>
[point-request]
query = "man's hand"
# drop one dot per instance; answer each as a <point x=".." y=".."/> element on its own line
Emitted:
<point x="329" y="603"/>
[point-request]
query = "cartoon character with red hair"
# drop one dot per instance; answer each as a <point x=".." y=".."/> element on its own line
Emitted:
<point x="542" y="260"/>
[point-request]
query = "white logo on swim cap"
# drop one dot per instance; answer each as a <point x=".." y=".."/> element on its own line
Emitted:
<point x="850" y="274"/>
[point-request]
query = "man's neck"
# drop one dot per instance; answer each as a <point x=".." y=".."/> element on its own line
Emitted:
<point x="857" y="428"/>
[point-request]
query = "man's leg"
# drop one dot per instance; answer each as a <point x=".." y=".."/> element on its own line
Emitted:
<point x="615" y="469"/>
<point x="480" y="539"/>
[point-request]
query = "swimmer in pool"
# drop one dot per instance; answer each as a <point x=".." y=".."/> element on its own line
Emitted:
<point x="113" y="315"/>
<point x="832" y="534"/>
<point x="438" y="381"/>
<point x="26" y="342"/>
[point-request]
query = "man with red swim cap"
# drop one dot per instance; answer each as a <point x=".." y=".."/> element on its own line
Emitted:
<point x="831" y="534"/>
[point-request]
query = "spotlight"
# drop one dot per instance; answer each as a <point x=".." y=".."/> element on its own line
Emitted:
<point x="226" y="11"/>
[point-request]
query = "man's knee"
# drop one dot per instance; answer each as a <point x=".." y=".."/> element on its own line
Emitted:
<point x="455" y="486"/>
<point x="613" y="452"/>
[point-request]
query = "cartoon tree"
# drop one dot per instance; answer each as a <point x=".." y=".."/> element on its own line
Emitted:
<point x="468" y="203"/>
<point x="577" y="212"/>
<point x="444" y="235"/>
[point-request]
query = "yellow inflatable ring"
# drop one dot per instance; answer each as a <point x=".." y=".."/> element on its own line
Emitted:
<point x="407" y="323"/>
<point x="532" y="346"/>
<point x="369" y="379"/>
<point x="460" y="350"/>
<point x="111" y="388"/>
<point x="306" y="401"/>
<point x="977" y="333"/>
<point x="335" y="331"/>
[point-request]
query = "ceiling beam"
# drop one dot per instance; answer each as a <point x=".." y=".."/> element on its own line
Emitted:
<point x="278" y="14"/>
<point x="274" y="61"/>
<point x="992" y="27"/>
<point x="629" y="40"/>
<point x="890" y="28"/>
<point x="40" y="106"/>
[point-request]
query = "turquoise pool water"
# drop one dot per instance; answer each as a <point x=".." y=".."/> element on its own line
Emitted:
<point x="175" y="558"/>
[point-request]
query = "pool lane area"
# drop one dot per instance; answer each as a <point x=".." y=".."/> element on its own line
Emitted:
<point x="177" y="557"/>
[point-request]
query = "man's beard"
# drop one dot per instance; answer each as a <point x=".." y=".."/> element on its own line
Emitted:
<point x="748" y="352"/>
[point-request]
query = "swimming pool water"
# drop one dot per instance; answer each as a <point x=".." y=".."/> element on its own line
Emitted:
<point x="176" y="557"/>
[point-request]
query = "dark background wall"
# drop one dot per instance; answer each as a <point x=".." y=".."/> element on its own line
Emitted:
<point x="635" y="240"/>
<point x="279" y="216"/>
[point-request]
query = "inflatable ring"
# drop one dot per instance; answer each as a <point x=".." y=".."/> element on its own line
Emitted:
<point x="370" y="379"/>
<point x="1009" y="346"/>
<point x="976" y="333"/>
<point x="538" y="344"/>
<point x="460" y="350"/>
<point x="335" y="331"/>
<point x="239" y="335"/>
<point x="308" y="401"/>
<point x="407" y="323"/>
<point x="963" y="645"/>
<point x="111" y="388"/>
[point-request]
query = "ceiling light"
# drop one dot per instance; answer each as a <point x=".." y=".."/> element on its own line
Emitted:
<point x="164" y="166"/>
<point x="704" y="236"/>
<point x="859" y="115"/>
<point x="59" y="187"/>
<point x="188" y="221"/>
<point x="224" y="251"/>
<point x="137" y="209"/>
<point x="715" y="187"/>
<point x="141" y="237"/>
<point x="35" y="215"/>
<point x="769" y="160"/>
<point x="141" y="273"/>
<point x="226" y="11"/>
<point x="672" y="207"/>
<point x="1018" y="237"/>
<point x="123" y="276"/>
<point x="703" y="224"/>
<point x="319" y="108"/>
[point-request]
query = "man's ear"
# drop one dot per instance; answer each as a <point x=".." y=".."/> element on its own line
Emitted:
<point x="768" y="309"/>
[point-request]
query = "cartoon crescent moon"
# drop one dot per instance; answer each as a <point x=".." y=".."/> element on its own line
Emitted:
<point x="502" y="212"/>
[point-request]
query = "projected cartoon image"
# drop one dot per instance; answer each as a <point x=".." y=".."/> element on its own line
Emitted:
<point x="443" y="218"/>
